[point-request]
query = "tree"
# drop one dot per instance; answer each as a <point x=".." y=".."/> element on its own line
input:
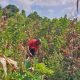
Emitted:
<point x="34" y="16"/>
<point x="10" y="10"/>
<point x="23" y="13"/>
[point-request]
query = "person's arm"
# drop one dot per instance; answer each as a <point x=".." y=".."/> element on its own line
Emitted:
<point x="28" y="51"/>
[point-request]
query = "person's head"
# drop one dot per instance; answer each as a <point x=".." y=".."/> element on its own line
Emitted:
<point x="38" y="42"/>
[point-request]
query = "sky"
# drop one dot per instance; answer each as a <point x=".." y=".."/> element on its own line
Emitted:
<point x="47" y="8"/>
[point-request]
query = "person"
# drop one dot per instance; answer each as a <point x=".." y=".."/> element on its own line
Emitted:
<point x="33" y="47"/>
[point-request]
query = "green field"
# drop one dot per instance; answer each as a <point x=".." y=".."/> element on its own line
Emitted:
<point x="59" y="54"/>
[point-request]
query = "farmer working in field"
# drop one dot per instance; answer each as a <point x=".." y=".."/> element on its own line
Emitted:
<point x="33" y="47"/>
<point x="33" y="50"/>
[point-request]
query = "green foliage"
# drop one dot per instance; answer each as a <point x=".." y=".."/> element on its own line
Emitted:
<point x="23" y="13"/>
<point x="20" y="76"/>
<point x="44" y="43"/>
<point x="10" y="10"/>
<point x="34" y="16"/>
<point x="41" y="68"/>
<point x="1" y="12"/>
